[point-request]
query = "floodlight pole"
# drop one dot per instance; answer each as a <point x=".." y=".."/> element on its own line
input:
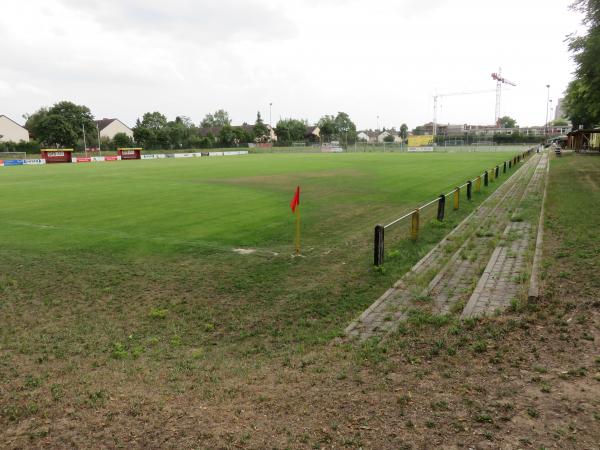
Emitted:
<point x="270" y="110"/>
<point x="547" y="105"/>
<point x="99" y="145"/>
<point x="84" y="144"/>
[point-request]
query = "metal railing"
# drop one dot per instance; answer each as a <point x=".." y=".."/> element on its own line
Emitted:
<point x="416" y="214"/>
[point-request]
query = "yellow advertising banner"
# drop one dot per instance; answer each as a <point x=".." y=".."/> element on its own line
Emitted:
<point x="420" y="141"/>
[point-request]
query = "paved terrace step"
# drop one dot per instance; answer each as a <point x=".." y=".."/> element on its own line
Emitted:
<point x="383" y="315"/>
<point x="506" y="273"/>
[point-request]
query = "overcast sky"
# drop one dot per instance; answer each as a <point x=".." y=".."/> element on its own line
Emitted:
<point x="372" y="58"/>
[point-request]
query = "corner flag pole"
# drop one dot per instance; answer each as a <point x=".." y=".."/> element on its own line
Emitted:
<point x="295" y="205"/>
<point x="298" y="230"/>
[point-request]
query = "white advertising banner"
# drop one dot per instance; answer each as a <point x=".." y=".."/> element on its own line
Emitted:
<point x="148" y="156"/>
<point x="34" y="161"/>
<point x="97" y="158"/>
<point x="215" y="153"/>
<point x="420" y="149"/>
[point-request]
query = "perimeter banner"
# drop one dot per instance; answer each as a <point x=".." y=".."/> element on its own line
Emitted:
<point x="420" y="141"/>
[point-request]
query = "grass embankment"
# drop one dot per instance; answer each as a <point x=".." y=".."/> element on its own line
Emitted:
<point x="123" y="306"/>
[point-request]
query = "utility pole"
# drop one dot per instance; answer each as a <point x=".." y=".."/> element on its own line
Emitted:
<point x="270" y="110"/>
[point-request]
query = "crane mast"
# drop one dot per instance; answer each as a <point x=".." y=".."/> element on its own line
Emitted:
<point x="500" y="80"/>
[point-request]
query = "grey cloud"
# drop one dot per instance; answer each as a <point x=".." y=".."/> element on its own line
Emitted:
<point x="204" y="21"/>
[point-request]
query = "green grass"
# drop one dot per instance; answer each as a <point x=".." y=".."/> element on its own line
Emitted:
<point x="135" y="259"/>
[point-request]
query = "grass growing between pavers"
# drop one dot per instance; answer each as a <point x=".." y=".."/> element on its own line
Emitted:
<point x="109" y="326"/>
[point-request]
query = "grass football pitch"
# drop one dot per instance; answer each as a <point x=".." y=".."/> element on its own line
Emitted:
<point x="126" y="241"/>
<point x="120" y="271"/>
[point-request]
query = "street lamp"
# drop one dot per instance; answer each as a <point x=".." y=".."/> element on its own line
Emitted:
<point x="547" y="106"/>
<point x="377" y="123"/>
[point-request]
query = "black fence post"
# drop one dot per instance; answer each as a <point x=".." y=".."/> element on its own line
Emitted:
<point x="486" y="178"/>
<point x="510" y="164"/>
<point x="378" y="253"/>
<point x="497" y="172"/>
<point x="469" y="190"/>
<point x="504" y="168"/>
<point x="441" y="207"/>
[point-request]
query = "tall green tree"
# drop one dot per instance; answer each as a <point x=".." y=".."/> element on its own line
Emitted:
<point x="507" y="122"/>
<point x="261" y="131"/>
<point x="345" y="128"/>
<point x="582" y="101"/>
<point x="33" y="122"/>
<point x="328" y="128"/>
<point x="220" y="118"/>
<point x="404" y="131"/>
<point x="62" y="124"/>
<point x="290" y="130"/>
<point x="56" y="130"/>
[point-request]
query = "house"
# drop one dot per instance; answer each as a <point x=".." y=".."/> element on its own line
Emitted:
<point x="381" y="137"/>
<point x="11" y="131"/>
<point x="368" y="136"/>
<point x="313" y="134"/>
<point x="108" y="128"/>
<point x="362" y="136"/>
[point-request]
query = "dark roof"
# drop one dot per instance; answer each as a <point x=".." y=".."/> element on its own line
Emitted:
<point x="102" y="124"/>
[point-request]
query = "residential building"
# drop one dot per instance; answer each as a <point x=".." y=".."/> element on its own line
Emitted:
<point x="559" y="112"/>
<point x="11" y="131"/>
<point x="110" y="127"/>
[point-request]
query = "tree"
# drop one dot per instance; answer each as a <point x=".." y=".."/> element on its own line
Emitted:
<point x="290" y="130"/>
<point x="582" y="102"/>
<point x="328" y="128"/>
<point x="345" y="128"/>
<point x="261" y="131"/>
<point x="507" y="122"/>
<point x="33" y="121"/>
<point x="55" y="129"/>
<point x="389" y="138"/>
<point x="62" y="124"/>
<point x="153" y="120"/>
<point x="559" y="123"/>
<point x="419" y="131"/>
<point x="219" y="119"/>
<point x="122" y="140"/>
<point x="404" y="131"/>
<point x="226" y="135"/>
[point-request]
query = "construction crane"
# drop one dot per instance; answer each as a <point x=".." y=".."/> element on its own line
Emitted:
<point x="500" y="80"/>
<point x="437" y="96"/>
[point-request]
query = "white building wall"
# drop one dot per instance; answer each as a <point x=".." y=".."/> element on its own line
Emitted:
<point x="115" y="127"/>
<point x="11" y="131"/>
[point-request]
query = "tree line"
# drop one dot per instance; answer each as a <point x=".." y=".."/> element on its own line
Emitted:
<point x="67" y="124"/>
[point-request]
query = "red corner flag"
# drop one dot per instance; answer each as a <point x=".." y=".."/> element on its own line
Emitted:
<point x="296" y="200"/>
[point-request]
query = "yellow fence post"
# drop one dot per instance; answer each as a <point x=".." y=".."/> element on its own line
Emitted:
<point x="414" y="230"/>
<point x="456" y="198"/>
<point x="478" y="184"/>
<point x="492" y="175"/>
